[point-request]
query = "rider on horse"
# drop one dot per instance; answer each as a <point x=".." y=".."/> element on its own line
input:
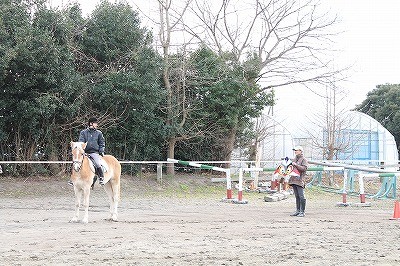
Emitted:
<point x="95" y="146"/>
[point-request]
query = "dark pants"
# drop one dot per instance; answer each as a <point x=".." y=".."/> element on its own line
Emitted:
<point x="300" y="199"/>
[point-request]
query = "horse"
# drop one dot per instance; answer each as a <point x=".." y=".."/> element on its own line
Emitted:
<point x="82" y="177"/>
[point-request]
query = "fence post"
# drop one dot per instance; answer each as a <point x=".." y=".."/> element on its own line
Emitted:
<point x="344" y="192"/>
<point x="228" y="184"/>
<point x="159" y="172"/>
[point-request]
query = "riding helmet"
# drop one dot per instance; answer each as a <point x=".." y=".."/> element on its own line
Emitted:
<point x="92" y="120"/>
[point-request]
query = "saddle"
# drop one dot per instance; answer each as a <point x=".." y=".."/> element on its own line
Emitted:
<point x="103" y="165"/>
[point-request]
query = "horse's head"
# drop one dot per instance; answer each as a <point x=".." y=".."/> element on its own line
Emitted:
<point x="78" y="153"/>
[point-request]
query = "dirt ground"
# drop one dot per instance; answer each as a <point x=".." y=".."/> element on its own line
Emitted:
<point x="184" y="222"/>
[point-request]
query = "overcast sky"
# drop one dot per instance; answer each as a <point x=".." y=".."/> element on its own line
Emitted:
<point x="370" y="43"/>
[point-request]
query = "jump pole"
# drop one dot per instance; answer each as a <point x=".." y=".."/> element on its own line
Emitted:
<point x="209" y="167"/>
<point x="353" y="167"/>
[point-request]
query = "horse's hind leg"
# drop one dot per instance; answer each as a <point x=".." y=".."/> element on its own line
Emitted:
<point x="116" y="191"/>
<point x="113" y="195"/>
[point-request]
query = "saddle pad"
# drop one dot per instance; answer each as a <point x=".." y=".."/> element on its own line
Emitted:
<point x="104" y="165"/>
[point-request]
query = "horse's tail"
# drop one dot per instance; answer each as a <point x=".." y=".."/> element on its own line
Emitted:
<point x="119" y="170"/>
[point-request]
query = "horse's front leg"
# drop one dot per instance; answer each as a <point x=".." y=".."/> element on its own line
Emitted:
<point x="78" y="196"/>
<point x="86" y="194"/>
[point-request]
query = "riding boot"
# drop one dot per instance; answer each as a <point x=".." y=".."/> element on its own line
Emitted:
<point x="297" y="208"/>
<point x="302" y="208"/>
<point x="101" y="175"/>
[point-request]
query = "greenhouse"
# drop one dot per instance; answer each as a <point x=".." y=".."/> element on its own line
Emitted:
<point x="362" y="140"/>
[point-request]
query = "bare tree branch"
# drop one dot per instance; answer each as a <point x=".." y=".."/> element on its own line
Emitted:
<point x="292" y="38"/>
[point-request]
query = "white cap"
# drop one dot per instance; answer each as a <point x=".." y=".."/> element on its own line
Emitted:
<point x="298" y="148"/>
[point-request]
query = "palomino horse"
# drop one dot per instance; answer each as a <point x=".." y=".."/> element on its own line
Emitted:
<point x="82" y="177"/>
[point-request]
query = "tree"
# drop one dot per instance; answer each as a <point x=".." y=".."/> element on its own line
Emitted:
<point x="335" y="133"/>
<point x="59" y="68"/>
<point x="328" y="134"/>
<point x="288" y="40"/>
<point x="264" y="127"/>
<point x="382" y="104"/>
<point x="37" y="69"/>
<point x="123" y="73"/>
<point x="230" y="112"/>
<point x="230" y="99"/>
<point x="176" y="108"/>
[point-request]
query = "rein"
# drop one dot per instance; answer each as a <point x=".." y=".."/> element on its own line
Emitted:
<point x="77" y="165"/>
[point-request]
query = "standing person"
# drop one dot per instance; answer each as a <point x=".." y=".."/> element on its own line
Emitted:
<point x="297" y="182"/>
<point x="95" y="145"/>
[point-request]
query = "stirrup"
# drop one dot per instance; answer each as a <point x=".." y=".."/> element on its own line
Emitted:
<point x="101" y="181"/>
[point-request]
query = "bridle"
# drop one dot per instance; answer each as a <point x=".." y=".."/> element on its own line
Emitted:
<point x="77" y="164"/>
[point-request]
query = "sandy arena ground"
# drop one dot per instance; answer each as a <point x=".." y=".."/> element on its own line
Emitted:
<point x="173" y="225"/>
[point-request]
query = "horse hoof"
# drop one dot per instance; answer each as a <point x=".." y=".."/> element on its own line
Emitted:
<point x="73" y="220"/>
